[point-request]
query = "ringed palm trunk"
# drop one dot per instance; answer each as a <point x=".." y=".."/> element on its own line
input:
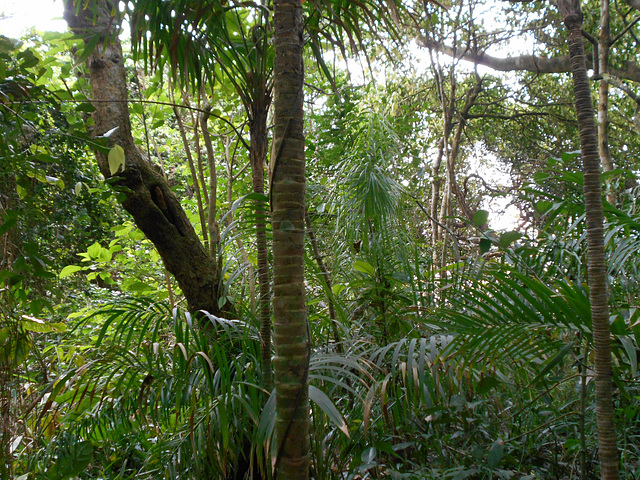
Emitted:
<point x="596" y="267"/>
<point x="291" y="333"/>
<point x="147" y="194"/>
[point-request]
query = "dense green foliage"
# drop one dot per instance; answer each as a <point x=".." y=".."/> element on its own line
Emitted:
<point x="442" y="348"/>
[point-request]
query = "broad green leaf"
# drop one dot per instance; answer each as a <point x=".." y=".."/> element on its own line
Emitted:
<point x="73" y="462"/>
<point x="327" y="406"/>
<point x="22" y="192"/>
<point x="573" y="177"/>
<point x="29" y="60"/>
<point x="544" y="206"/>
<point x="137" y="109"/>
<point x="95" y="250"/>
<point x="368" y="455"/>
<point x="485" y="245"/>
<point x="86" y="108"/>
<point x="550" y="364"/>
<point x="8" y="44"/>
<point x="139" y="287"/>
<point x="462" y="474"/>
<point x="9" y="219"/>
<point x="619" y="326"/>
<point x="364" y="267"/>
<point x="495" y="454"/>
<point x="632" y="354"/>
<point x="401" y="277"/>
<point x="116" y="159"/>
<point x="507" y="238"/>
<point x="540" y="177"/>
<point x="69" y="270"/>
<point x="486" y="384"/>
<point x="121" y="230"/>
<point x="337" y="288"/>
<point x="78" y="188"/>
<point x="480" y="217"/>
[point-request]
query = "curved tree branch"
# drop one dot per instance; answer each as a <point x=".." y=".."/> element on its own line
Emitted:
<point x="629" y="70"/>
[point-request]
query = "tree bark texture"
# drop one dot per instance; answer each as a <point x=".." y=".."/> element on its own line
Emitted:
<point x="291" y="332"/>
<point x="147" y="195"/>
<point x="596" y="266"/>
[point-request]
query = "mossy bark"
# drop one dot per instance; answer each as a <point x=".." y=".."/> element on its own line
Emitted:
<point x="291" y="332"/>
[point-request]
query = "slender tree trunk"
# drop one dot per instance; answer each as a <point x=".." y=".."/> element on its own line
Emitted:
<point x="257" y="158"/>
<point x="604" y="48"/>
<point x="6" y="420"/>
<point x="147" y="195"/>
<point x="212" y="218"/>
<point x="196" y="141"/>
<point x="472" y="95"/>
<point x="291" y="331"/>
<point x="596" y="266"/>
<point x="194" y="173"/>
<point x="327" y="281"/>
<point x="10" y="243"/>
<point x="9" y="250"/>
<point x="435" y="197"/>
<point x="229" y="161"/>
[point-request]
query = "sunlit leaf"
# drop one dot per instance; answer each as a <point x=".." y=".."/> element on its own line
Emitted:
<point x="69" y="270"/>
<point x="364" y="267"/>
<point x="116" y="159"/>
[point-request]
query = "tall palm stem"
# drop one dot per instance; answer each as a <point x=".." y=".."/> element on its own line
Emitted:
<point x="596" y="266"/>
<point x="258" y="154"/>
<point x="291" y="332"/>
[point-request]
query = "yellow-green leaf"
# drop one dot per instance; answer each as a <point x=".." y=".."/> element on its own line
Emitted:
<point x="116" y="159"/>
<point x="364" y="267"/>
<point x="69" y="270"/>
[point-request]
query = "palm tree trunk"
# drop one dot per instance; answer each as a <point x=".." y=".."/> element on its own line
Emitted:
<point x="596" y="267"/>
<point x="258" y="155"/>
<point x="291" y="332"/>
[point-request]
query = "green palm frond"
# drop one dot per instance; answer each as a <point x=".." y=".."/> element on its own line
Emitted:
<point x="190" y="392"/>
<point x="368" y="193"/>
<point x="506" y="319"/>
